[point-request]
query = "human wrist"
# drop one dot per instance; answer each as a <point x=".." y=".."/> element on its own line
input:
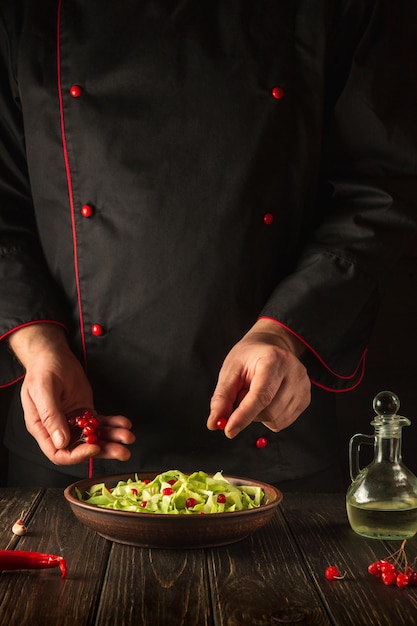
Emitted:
<point x="29" y="341"/>
<point x="280" y="335"/>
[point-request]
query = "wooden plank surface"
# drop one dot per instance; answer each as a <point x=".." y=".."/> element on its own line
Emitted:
<point x="33" y="597"/>
<point x="13" y="504"/>
<point x="275" y="576"/>
<point x="325" y="538"/>
<point x="148" y="587"/>
<point x="262" y="581"/>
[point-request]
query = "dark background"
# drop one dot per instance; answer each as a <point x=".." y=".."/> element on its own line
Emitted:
<point x="391" y="365"/>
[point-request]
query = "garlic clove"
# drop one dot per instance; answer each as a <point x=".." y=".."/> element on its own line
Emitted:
<point x="19" y="528"/>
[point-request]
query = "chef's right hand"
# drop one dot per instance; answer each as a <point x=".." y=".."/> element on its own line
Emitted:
<point x="55" y="386"/>
<point x="262" y="380"/>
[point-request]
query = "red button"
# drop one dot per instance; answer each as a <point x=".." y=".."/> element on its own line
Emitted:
<point x="87" y="210"/>
<point x="261" y="442"/>
<point x="97" y="330"/>
<point x="268" y="218"/>
<point x="76" y="91"/>
<point x="277" y="93"/>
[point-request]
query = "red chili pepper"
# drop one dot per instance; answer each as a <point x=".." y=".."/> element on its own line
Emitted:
<point x="20" y="559"/>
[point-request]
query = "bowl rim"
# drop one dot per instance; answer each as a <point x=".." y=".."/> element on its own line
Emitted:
<point x="277" y="497"/>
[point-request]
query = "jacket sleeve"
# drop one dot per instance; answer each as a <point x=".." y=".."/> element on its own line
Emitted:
<point x="368" y="198"/>
<point x="27" y="292"/>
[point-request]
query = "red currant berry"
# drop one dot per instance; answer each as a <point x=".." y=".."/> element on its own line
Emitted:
<point x="375" y="568"/>
<point x="402" y="580"/>
<point x="134" y="492"/>
<point x="172" y="481"/>
<point x="221" y="498"/>
<point x="412" y="579"/>
<point x="89" y="430"/>
<point x="81" y="422"/>
<point x="389" y="578"/>
<point x="168" y="491"/>
<point x="88" y="414"/>
<point x="71" y="421"/>
<point x="190" y="502"/>
<point x="93" y="421"/>
<point x="146" y="481"/>
<point x="387" y="567"/>
<point x="143" y="504"/>
<point x="261" y="442"/>
<point x="91" y="439"/>
<point x="277" y="93"/>
<point x="221" y="423"/>
<point x="332" y="573"/>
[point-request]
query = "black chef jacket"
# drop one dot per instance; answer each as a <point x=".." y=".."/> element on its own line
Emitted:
<point x="172" y="170"/>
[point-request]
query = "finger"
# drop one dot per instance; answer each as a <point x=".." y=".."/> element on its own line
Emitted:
<point x="43" y="416"/>
<point x="111" y="450"/>
<point x="276" y="418"/>
<point x="287" y="406"/>
<point x="221" y="406"/>
<point x="260" y="395"/>
<point x="116" y="421"/>
<point x="57" y="437"/>
<point x="104" y="449"/>
<point x="76" y="455"/>
<point x="119" y="435"/>
<point x="223" y="398"/>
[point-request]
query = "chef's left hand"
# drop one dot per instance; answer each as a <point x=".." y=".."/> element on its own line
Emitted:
<point x="262" y="380"/>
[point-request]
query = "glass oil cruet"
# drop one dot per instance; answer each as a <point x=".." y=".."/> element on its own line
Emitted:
<point x="381" y="502"/>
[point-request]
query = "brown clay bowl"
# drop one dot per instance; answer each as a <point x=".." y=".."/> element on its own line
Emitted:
<point x="171" y="531"/>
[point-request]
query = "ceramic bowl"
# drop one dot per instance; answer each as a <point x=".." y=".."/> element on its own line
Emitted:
<point x="167" y="530"/>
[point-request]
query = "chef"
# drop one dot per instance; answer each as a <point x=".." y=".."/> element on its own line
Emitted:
<point x="198" y="204"/>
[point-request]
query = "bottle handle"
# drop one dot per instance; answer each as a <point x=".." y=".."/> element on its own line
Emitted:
<point x="354" y="450"/>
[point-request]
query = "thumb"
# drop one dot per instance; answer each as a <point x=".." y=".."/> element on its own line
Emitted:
<point x="59" y="438"/>
<point x="45" y="414"/>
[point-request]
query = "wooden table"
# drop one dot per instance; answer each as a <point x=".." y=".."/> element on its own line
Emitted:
<point x="274" y="577"/>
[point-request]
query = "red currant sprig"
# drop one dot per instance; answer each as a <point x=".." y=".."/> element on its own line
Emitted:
<point x="395" y="569"/>
<point x="84" y="428"/>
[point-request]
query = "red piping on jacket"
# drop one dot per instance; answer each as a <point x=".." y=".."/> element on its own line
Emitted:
<point x="69" y="183"/>
<point x="361" y="363"/>
<point x="16" y="380"/>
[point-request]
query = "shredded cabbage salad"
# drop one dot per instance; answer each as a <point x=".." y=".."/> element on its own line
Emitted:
<point x="177" y="493"/>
